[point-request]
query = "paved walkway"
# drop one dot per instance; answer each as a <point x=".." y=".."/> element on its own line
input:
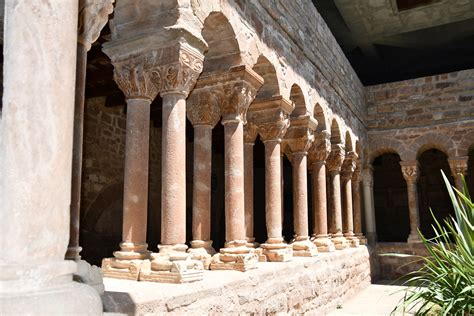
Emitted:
<point x="377" y="299"/>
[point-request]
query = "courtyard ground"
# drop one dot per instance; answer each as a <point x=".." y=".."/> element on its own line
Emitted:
<point x="376" y="299"/>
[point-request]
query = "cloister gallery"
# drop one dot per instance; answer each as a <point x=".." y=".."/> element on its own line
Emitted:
<point x="165" y="140"/>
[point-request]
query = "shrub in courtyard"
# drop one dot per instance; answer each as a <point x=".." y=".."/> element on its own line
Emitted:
<point x="445" y="283"/>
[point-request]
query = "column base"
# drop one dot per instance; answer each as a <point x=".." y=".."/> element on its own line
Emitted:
<point x="121" y="269"/>
<point x="73" y="253"/>
<point x="203" y="251"/>
<point x="340" y="242"/>
<point x="362" y="239"/>
<point x="324" y="244"/>
<point x="46" y="289"/>
<point x="352" y="240"/>
<point x="303" y="247"/>
<point x="90" y="275"/>
<point x="236" y="256"/>
<point x="275" y="250"/>
<point x="414" y="238"/>
<point x="251" y="242"/>
<point x="172" y="265"/>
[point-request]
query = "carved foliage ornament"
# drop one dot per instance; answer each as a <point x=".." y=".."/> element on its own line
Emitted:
<point x="321" y="147"/>
<point x="142" y="77"/>
<point x="335" y="159"/>
<point x="250" y="133"/>
<point x="274" y="130"/>
<point x="237" y="97"/>
<point x="356" y="177"/>
<point x="349" y="165"/>
<point x="93" y="15"/>
<point x="458" y="165"/>
<point x="410" y="171"/>
<point x="203" y="107"/>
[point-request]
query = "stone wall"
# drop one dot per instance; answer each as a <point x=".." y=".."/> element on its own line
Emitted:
<point x="388" y="267"/>
<point x="313" y="286"/>
<point x="408" y="117"/>
<point x="424" y="101"/>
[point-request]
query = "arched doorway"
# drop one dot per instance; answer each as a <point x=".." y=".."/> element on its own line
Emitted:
<point x="390" y="199"/>
<point x="432" y="191"/>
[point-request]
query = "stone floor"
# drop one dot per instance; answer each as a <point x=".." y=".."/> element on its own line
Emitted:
<point x="376" y="299"/>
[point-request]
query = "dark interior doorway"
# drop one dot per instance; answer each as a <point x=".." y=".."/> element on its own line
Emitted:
<point x="391" y="199"/>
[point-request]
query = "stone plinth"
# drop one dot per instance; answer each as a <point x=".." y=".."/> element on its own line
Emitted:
<point x="305" y="285"/>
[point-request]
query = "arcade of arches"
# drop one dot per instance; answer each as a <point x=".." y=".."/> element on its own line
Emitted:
<point x="203" y="141"/>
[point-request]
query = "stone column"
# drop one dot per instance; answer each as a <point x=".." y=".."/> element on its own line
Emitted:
<point x="318" y="154"/>
<point x="348" y="168"/>
<point x="204" y="113"/>
<point x="458" y="166"/>
<point x="271" y="117"/>
<point x="235" y="89"/>
<point x="410" y="170"/>
<point x="134" y="78"/>
<point x="250" y="134"/>
<point x="334" y="164"/>
<point x="357" y="203"/>
<point x="35" y="162"/>
<point x="299" y="139"/>
<point x="93" y="15"/>
<point x="369" y="209"/>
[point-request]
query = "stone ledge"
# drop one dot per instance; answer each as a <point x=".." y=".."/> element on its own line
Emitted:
<point x="311" y="285"/>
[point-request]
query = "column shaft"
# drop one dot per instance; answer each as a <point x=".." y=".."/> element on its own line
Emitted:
<point x="135" y="197"/>
<point x="248" y="178"/>
<point x="335" y="197"/>
<point x="35" y="161"/>
<point x="202" y="183"/>
<point x="319" y="199"/>
<point x="74" y="248"/>
<point x="234" y="182"/>
<point x="357" y="208"/>
<point x="413" y="209"/>
<point x="369" y="211"/>
<point x="173" y="179"/>
<point x="348" y="222"/>
<point x="300" y="196"/>
<point x="273" y="192"/>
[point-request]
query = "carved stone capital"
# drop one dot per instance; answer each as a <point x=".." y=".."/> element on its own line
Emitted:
<point x="93" y="15"/>
<point x="169" y="69"/>
<point x="299" y="137"/>
<point x="357" y="176"/>
<point x="271" y="117"/>
<point x="250" y="133"/>
<point x="335" y="159"/>
<point x="203" y="107"/>
<point x="349" y="165"/>
<point x="368" y="175"/>
<point x="321" y="147"/>
<point x="458" y="165"/>
<point x="235" y="88"/>
<point x="410" y="171"/>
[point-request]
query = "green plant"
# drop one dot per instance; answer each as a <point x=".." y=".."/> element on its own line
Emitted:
<point x="445" y="283"/>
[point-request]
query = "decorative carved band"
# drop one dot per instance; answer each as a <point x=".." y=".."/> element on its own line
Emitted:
<point x="276" y="130"/>
<point x="410" y="171"/>
<point x="299" y="136"/>
<point x="93" y="15"/>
